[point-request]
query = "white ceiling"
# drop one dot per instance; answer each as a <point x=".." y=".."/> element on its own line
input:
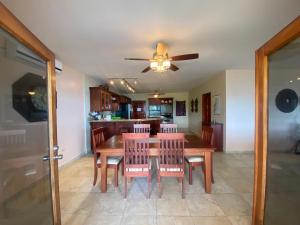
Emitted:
<point x="94" y="36"/>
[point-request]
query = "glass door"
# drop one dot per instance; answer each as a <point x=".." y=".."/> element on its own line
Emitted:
<point x="25" y="181"/>
<point x="277" y="129"/>
<point x="283" y="164"/>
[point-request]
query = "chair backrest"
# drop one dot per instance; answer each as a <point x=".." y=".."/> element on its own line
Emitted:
<point x="136" y="148"/>
<point x="12" y="137"/>
<point x="168" y="128"/>
<point x="97" y="137"/>
<point x="141" y="128"/>
<point x="171" y="149"/>
<point x="207" y="135"/>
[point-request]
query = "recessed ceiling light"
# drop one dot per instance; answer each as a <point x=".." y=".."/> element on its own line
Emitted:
<point x="298" y="78"/>
<point x="111" y="82"/>
<point x="291" y="81"/>
<point x="135" y="82"/>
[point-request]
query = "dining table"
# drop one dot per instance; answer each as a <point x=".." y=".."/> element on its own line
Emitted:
<point x="193" y="146"/>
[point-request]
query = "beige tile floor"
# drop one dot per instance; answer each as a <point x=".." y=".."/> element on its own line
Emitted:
<point x="229" y="203"/>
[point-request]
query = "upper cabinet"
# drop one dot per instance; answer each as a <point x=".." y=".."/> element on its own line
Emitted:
<point x="100" y="99"/>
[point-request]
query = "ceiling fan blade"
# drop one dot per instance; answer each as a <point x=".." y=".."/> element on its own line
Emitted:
<point x="146" y="69"/>
<point x="173" y="67"/>
<point x="185" y="57"/>
<point x="136" y="59"/>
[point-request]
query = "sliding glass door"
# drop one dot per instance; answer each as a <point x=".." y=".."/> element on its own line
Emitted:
<point x="28" y="167"/>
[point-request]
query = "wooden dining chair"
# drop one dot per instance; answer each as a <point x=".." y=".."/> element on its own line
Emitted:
<point x="170" y="162"/>
<point x="141" y="128"/>
<point x="112" y="162"/>
<point x="137" y="161"/>
<point x="197" y="161"/>
<point x="168" y="128"/>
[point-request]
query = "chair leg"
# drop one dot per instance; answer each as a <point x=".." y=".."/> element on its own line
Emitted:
<point x="190" y="174"/>
<point x="122" y="165"/>
<point x="116" y="183"/>
<point x="182" y="188"/>
<point x="204" y="174"/>
<point x="212" y="171"/>
<point x="159" y="186"/>
<point x="125" y="187"/>
<point x="149" y="184"/>
<point x="95" y="175"/>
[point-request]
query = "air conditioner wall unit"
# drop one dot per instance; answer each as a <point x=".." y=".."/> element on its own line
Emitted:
<point x="24" y="54"/>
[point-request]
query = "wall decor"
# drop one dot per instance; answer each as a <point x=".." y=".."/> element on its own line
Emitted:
<point x="30" y="97"/>
<point x="196" y="105"/>
<point x="180" y="108"/>
<point x="217" y="105"/>
<point x="192" y="105"/>
<point x="286" y="100"/>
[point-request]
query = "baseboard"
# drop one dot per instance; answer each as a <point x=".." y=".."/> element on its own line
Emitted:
<point x="71" y="161"/>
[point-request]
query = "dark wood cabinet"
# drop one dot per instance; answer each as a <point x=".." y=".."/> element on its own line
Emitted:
<point x="100" y="100"/>
<point x="138" y="109"/>
<point x="114" y="127"/>
<point x="218" y="135"/>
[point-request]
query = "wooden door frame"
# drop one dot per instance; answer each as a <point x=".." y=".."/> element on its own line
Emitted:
<point x="209" y="119"/>
<point x="288" y="34"/>
<point x="17" y="29"/>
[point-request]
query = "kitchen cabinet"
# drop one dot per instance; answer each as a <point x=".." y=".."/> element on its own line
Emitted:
<point x="100" y="99"/>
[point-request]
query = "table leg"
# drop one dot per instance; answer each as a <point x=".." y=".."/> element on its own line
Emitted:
<point x="103" y="173"/>
<point x="208" y="165"/>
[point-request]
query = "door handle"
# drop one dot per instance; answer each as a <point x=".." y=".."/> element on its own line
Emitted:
<point x="57" y="157"/>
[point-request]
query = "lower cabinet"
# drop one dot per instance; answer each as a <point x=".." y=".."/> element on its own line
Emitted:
<point x="117" y="127"/>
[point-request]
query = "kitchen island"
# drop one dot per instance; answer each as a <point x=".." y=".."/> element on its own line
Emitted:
<point x="118" y="126"/>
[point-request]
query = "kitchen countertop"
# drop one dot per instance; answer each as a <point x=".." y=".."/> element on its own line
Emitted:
<point x="124" y="120"/>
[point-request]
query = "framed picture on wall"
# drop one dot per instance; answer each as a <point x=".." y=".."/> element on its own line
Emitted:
<point x="217" y="105"/>
<point x="180" y="108"/>
<point x="192" y="105"/>
<point x="196" y="105"/>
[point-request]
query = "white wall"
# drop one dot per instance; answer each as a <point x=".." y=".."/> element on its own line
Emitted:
<point x="70" y="114"/>
<point x="216" y="86"/>
<point x="88" y="82"/>
<point x="240" y="110"/>
<point x="182" y="121"/>
<point x="237" y="91"/>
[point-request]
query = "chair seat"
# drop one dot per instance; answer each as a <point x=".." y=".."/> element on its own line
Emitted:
<point x="139" y="169"/>
<point x="171" y="169"/>
<point x="194" y="159"/>
<point x="168" y="169"/>
<point x="112" y="160"/>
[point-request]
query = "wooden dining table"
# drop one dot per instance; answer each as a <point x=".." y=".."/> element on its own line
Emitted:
<point x="193" y="147"/>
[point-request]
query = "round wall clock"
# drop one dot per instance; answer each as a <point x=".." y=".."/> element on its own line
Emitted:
<point x="287" y="100"/>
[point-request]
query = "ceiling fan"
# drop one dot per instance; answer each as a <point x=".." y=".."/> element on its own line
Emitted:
<point x="161" y="61"/>
<point x="156" y="93"/>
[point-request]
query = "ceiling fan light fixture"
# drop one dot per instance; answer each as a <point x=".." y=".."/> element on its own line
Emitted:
<point x="166" y="64"/>
<point x="160" y="66"/>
